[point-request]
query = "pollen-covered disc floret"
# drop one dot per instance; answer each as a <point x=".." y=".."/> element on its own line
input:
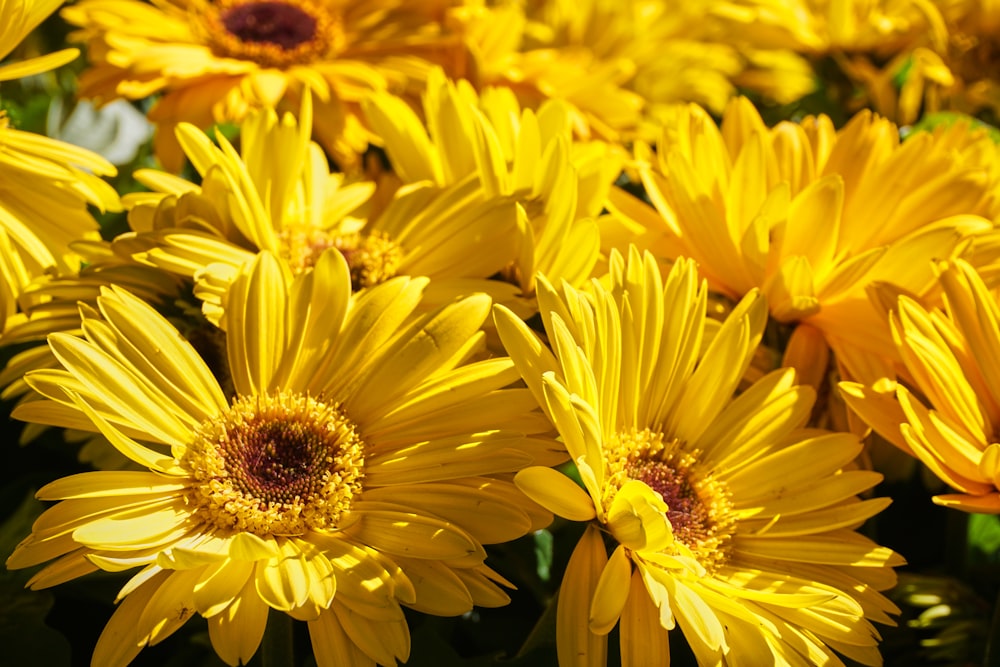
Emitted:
<point x="698" y="505"/>
<point x="279" y="464"/>
<point x="273" y="33"/>
<point x="372" y="258"/>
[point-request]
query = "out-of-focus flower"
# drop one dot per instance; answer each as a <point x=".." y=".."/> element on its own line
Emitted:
<point x="618" y="62"/>
<point x="971" y="59"/>
<point x="950" y="416"/>
<point x="214" y="61"/>
<point x="350" y="472"/>
<point x="729" y="518"/>
<point x="886" y="51"/>
<point x="17" y="19"/>
<point x="811" y="216"/>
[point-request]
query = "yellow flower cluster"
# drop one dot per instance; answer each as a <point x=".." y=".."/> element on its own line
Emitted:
<point x="410" y="280"/>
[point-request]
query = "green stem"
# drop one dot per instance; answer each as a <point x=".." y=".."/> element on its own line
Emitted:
<point x="278" y="646"/>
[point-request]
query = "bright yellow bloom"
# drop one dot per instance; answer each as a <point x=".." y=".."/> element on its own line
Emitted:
<point x="876" y="43"/>
<point x="729" y="518"/>
<point x="17" y="19"/>
<point x="973" y="84"/>
<point x="485" y="150"/>
<point x="214" y="61"/>
<point x="616" y="62"/>
<point x="351" y="470"/>
<point x="950" y="416"/>
<point x="276" y="194"/>
<point x="45" y="185"/>
<point x="811" y="216"/>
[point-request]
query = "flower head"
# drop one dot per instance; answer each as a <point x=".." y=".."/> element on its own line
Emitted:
<point x="214" y="61"/>
<point x="949" y="417"/>
<point x="354" y="468"/>
<point x="812" y="217"/>
<point x="724" y="511"/>
<point x="276" y="194"/>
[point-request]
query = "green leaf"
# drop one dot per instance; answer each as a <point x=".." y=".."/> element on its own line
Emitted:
<point x="543" y="554"/>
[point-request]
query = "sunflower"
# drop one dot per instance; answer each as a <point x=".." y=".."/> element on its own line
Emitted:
<point x="45" y="185"/>
<point x="728" y="517"/>
<point x="950" y="416"/>
<point x="812" y="217"/>
<point x="214" y="61"/>
<point x="353" y="469"/>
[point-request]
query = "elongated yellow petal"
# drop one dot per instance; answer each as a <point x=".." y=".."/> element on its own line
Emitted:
<point x="236" y="632"/>
<point x="556" y="492"/>
<point x="643" y="640"/>
<point x="611" y="592"/>
<point x="577" y="645"/>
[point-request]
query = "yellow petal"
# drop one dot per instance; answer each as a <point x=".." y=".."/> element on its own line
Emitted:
<point x="236" y="632"/>
<point x="611" y="592"/>
<point x="638" y="518"/>
<point x="577" y="646"/>
<point x="643" y="640"/>
<point x="556" y="492"/>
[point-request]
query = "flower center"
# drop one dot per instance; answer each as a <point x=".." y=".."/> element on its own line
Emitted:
<point x="273" y="33"/>
<point x="279" y="464"/>
<point x="275" y="23"/>
<point x="698" y="506"/>
<point x="373" y="258"/>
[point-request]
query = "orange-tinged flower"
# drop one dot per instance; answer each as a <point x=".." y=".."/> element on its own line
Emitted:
<point x="214" y="61"/>
<point x="811" y="216"/>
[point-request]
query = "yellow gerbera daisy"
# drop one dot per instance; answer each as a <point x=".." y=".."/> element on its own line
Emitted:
<point x="876" y="45"/>
<point x="615" y="61"/>
<point x="729" y="518"/>
<point x="276" y="194"/>
<point x="809" y="215"/>
<point x="484" y="145"/>
<point x="351" y="471"/>
<point x="213" y="61"/>
<point x="45" y="185"/>
<point x="17" y="19"/>
<point x="950" y="417"/>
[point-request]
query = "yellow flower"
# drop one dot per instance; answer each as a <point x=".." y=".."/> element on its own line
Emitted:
<point x="616" y="62"/>
<point x="973" y="81"/>
<point x="729" y="519"/>
<point x="353" y="469"/>
<point x="950" y="416"/>
<point x="486" y="150"/>
<point x="809" y="215"/>
<point x="17" y="19"/>
<point x="214" y="61"/>
<point x="276" y="194"/>
<point x="45" y="185"/>
<point x="875" y="43"/>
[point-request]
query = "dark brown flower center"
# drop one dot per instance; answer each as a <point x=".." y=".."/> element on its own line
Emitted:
<point x="276" y="465"/>
<point x="273" y="33"/>
<point x="698" y="505"/>
<point x="276" y="23"/>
